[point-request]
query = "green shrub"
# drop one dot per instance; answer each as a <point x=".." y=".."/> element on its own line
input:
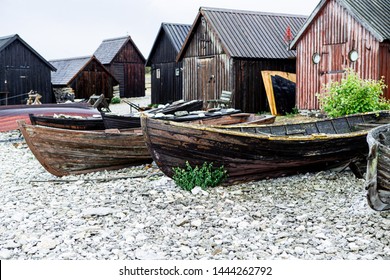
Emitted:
<point x="353" y="95"/>
<point x="115" y="100"/>
<point x="206" y="176"/>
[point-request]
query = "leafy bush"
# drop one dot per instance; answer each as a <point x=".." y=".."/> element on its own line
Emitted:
<point x="353" y="95"/>
<point x="206" y="176"/>
<point x="115" y="100"/>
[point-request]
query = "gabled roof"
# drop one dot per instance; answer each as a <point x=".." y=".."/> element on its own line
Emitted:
<point x="175" y="32"/>
<point x="69" y="68"/>
<point x="372" y="14"/>
<point x="109" y="48"/>
<point x="248" y="34"/>
<point x="8" y="40"/>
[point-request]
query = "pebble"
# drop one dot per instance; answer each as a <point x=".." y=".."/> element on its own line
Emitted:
<point x="317" y="216"/>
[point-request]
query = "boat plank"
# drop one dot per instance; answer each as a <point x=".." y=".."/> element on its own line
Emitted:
<point x="64" y="151"/>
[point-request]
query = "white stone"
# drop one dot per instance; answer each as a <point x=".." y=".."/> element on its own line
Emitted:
<point x="196" y="223"/>
<point x="98" y="211"/>
<point x="5" y="254"/>
<point x="47" y="244"/>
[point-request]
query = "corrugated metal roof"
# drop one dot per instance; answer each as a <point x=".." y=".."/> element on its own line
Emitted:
<point x="177" y="33"/>
<point x="250" y="34"/>
<point x="67" y="69"/>
<point x="109" y="48"/>
<point x="374" y="15"/>
<point x="7" y="40"/>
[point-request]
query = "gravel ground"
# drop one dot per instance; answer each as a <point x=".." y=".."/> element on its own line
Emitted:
<point x="110" y="215"/>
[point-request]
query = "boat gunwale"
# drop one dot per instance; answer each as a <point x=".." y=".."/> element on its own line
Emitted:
<point x="272" y="137"/>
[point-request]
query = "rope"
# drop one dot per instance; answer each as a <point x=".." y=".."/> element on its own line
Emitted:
<point x="7" y="98"/>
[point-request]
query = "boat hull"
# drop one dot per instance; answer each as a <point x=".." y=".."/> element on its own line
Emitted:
<point x="10" y="114"/>
<point x="378" y="168"/>
<point x="222" y="117"/>
<point x="75" y="123"/>
<point x="249" y="156"/>
<point x="63" y="151"/>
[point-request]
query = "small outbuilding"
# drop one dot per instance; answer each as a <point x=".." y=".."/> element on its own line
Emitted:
<point x="22" y="69"/>
<point x="126" y="63"/>
<point x="226" y="50"/>
<point x="342" y="34"/>
<point x="166" y="73"/>
<point x="86" y="76"/>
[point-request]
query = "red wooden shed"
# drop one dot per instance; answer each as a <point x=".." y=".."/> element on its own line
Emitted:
<point x="341" y="34"/>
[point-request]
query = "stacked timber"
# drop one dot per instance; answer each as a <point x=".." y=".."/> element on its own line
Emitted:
<point x="116" y="91"/>
<point x="64" y="94"/>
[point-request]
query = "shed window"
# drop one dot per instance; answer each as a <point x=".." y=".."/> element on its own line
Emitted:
<point x="158" y="73"/>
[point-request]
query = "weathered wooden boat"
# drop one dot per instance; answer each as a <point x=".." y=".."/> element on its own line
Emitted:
<point x="280" y="90"/>
<point x="11" y="113"/>
<point x="180" y="105"/>
<point x="64" y="151"/>
<point x="378" y="168"/>
<point x="120" y="121"/>
<point x="213" y="117"/>
<point x="94" y="122"/>
<point x="236" y="119"/>
<point x="261" y="151"/>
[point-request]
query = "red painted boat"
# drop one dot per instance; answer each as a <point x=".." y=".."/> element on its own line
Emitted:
<point x="11" y="113"/>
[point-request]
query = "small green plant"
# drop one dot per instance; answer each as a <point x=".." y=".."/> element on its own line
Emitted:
<point x="293" y="112"/>
<point x="353" y="95"/>
<point x="206" y="176"/>
<point x="115" y="100"/>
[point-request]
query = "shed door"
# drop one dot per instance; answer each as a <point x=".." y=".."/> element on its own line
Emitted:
<point x="19" y="83"/>
<point x="206" y="79"/>
<point x="333" y="63"/>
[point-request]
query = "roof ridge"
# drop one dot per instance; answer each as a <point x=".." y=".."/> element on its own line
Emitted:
<point x="71" y="58"/>
<point x="117" y="38"/>
<point x="182" y="24"/>
<point x="8" y="36"/>
<point x="250" y="12"/>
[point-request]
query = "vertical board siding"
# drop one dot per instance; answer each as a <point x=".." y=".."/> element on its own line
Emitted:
<point x="384" y="69"/>
<point x="249" y="89"/>
<point x="133" y="75"/>
<point x="93" y="80"/>
<point x="128" y="67"/>
<point x="333" y="34"/>
<point x="208" y="71"/>
<point x="168" y="87"/>
<point x="23" y="71"/>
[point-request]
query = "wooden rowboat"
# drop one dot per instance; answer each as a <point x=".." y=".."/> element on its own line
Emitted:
<point x="64" y="151"/>
<point x="11" y="113"/>
<point x="220" y="117"/>
<point x="263" y="151"/>
<point x="378" y="168"/>
<point x="69" y="122"/>
<point x="236" y="119"/>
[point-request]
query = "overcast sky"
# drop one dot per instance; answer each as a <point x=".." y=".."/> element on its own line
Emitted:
<point x="71" y="28"/>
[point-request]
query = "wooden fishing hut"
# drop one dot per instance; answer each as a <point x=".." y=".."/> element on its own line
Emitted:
<point x="341" y="34"/>
<point x="126" y="63"/>
<point x="166" y="73"/>
<point x="226" y="50"/>
<point x="85" y="75"/>
<point x="22" y="69"/>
